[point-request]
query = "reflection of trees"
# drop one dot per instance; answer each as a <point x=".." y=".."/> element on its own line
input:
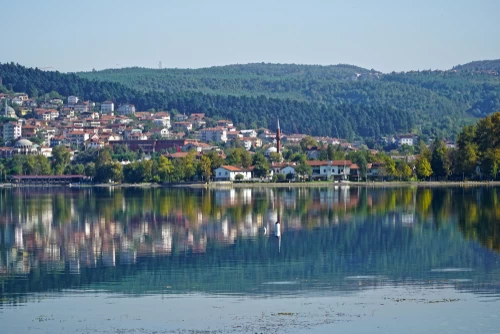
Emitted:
<point x="479" y="216"/>
<point x="92" y="227"/>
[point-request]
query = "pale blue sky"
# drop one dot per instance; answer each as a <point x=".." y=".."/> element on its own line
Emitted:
<point x="385" y="35"/>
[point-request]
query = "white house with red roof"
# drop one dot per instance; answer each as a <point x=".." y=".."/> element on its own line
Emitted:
<point x="228" y="173"/>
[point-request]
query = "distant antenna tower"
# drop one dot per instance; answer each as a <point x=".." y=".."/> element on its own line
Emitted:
<point x="160" y="65"/>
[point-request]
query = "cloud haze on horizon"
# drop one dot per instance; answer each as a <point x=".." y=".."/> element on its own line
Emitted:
<point x="384" y="35"/>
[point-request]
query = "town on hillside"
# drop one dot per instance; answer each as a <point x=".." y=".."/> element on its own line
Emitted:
<point x="193" y="147"/>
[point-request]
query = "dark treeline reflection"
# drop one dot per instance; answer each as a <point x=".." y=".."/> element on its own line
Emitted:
<point x="221" y="241"/>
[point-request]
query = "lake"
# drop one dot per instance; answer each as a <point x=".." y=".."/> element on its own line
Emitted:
<point x="348" y="259"/>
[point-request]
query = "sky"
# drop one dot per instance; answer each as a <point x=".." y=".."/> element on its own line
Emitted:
<point x="396" y="35"/>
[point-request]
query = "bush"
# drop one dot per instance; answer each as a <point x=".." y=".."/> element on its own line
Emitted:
<point x="280" y="177"/>
<point x="239" y="177"/>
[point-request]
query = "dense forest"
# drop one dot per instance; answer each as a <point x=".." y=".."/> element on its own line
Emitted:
<point x="441" y="102"/>
<point x="481" y="65"/>
<point x="340" y="100"/>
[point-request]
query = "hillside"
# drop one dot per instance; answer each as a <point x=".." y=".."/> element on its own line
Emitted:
<point x="481" y="65"/>
<point x="339" y="100"/>
<point x="440" y="101"/>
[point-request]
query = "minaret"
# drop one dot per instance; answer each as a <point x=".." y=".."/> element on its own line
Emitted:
<point x="6" y="111"/>
<point x="278" y="137"/>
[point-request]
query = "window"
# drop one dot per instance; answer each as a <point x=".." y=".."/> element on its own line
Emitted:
<point x="324" y="170"/>
<point x="226" y="173"/>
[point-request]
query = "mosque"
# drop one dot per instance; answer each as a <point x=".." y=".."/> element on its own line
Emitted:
<point x="9" y="111"/>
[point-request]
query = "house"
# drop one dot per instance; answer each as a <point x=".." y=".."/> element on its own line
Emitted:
<point x="232" y="135"/>
<point x="143" y="115"/>
<point x="183" y="126"/>
<point x="17" y="101"/>
<point x="59" y="140"/>
<point x="406" y="140"/>
<point x="198" y="123"/>
<point x="163" y="133"/>
<point x="313" y="152"/>
<point x="81" y="108"/>
<point x="95" y="143"/>
<point x="180" y="117"/>
<point x="293" y="138"/>
<point x="107" y="107"/>
<point x="355" y="172"/>
<point x="216" y="135"/>
<point x="47" y="134"/>
<point x="72" y="99"/>
<point x="134" y="134"/>
<point x="29" y="131"/>
<point x="249" y="133"/>
<point x="228" y="173"/>
<point x="196" y="116"/>
<point x="450" y="144"/>
<point x="67" y="112"/>
<point x="127" y="109"/>
<point x="162" y="119"/>
<point x="375" y="170"/>
<point x="57" y="101"/>
<point x="196" y="146"/>
<point x="326" y="170"/>
<point x="225" y="123"/>
<point x="22" y="96"/>
<point x="78" y="137"/>
<point x="250" y="142"/>
<point x="11" y="131"/>
<point x="283" y="168"/>
<point x="46" y="114"/>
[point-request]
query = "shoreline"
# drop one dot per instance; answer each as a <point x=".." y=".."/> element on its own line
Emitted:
<point x="226" y="185"/>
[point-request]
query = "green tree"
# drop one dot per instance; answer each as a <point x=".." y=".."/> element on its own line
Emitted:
<point x="188" y="166"/>
<point x="275" y="157"/>
<point x="261" y="166"/>
<point x="307" y="141"/>
<point x="78" y="169"/>
<point x="165" y="169"/>
<point x="440" y="163"/>
<point x="43" y="165"/>
<point x="423" y="168"/>
<point x="205" y="167"/>
<point x="491" y="162"/>
<point x="303" y="169"/>
<point x="215" y="159"/>
<point x="90" y="169"/>
<point x="61" y="157"/>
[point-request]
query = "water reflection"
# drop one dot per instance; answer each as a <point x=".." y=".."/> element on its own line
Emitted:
<point x="247" y="241"/>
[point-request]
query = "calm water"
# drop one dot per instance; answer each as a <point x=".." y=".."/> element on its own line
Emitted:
<point x="170" y="260"/>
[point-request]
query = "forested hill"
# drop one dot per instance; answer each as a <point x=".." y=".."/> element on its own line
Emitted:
<point x="440" y="101"/>
<point x="340" y="100"/>
<point x="481" y="65"/>
<point x="249" y="79"/>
